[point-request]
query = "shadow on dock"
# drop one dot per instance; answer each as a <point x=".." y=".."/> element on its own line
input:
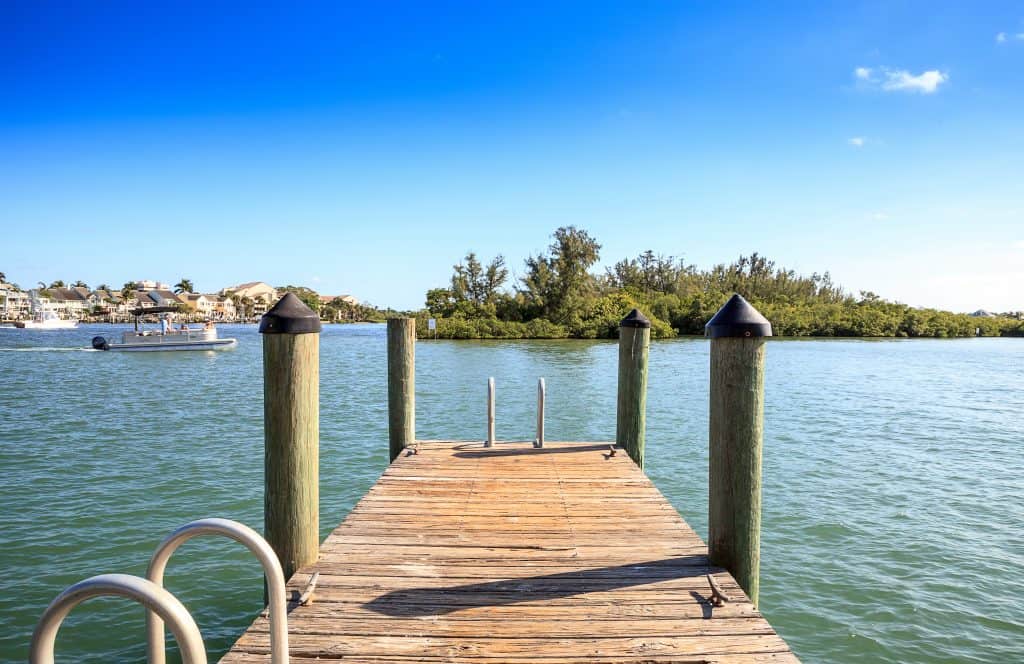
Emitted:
<point x="494" y="452"/>
<point x="432" y="601"/>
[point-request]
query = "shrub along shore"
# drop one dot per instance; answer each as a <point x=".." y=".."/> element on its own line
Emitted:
<point x="558" y="297"/>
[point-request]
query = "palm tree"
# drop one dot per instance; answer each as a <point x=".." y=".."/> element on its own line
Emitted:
<point x="80" y="284"/>
<point x="3" y="278"/>
<point x="57" y="284"/>
<point x="246" y="303"/>
<point x="127" y="289"/>
<point x="103" y="287"/>
<point x="183" y="286"/>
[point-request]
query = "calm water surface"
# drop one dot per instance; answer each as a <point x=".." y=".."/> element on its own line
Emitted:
<point x="893" y="495"/>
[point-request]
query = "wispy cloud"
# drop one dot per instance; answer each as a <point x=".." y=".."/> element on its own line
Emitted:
<point x="925" y="83"/>
<point x="856" y="141"/>
<point x="1001" y="38"/>
<point x="879" y="216"/>
<point x="1019" y="245"/>
<point x="900" y="80"/>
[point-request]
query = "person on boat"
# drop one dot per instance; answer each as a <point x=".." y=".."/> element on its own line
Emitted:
<point x="208" y="325"/>
<point x="165" y="325"/>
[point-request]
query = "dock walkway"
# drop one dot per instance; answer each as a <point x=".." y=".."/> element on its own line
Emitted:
<point x="461" y="553"/>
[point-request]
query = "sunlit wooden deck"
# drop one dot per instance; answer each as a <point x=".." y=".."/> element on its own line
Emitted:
<point x="514" y="554"/>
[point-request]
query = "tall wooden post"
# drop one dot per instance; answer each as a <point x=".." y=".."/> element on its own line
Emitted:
<point x="631" y="419"/>
<point x="291" y="422"/>
<point x="401" y="384"/>
<point x="737" y="335"/>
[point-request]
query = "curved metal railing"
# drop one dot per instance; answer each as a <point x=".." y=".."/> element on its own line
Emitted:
<point x="156" y="600"/>
<point x="271" y="568"/>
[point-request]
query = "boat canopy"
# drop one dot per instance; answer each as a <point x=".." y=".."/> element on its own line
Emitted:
<point x="142" y="311"/>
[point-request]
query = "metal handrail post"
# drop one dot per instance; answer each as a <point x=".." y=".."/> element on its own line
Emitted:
<point x="271" y="568"/>
<point x="490" y="413"/>
<point x="156" y="600"/>
<point x="541" y="395"/>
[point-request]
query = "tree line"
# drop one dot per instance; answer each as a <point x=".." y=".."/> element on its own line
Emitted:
<point x="559" y="296"/>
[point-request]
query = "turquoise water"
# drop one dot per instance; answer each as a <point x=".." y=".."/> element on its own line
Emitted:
<point x="894" y="503"/>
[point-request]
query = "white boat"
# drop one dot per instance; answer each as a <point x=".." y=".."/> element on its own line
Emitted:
<point x="167" y="338"/>
<point x="46" y="319"/>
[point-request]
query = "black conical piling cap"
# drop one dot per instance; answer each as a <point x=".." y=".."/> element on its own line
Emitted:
<point x="289" y="316"/>
<point x="738" y="318"/>
<point x="635" y="319"/>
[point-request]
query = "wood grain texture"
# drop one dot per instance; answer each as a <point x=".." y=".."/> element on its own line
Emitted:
<point x="467" y="554"/>
<point x="736" y="430"/>
<point x="631" y="411"/>
<point x="291" y="457"/>
<point x="401" y="384"/>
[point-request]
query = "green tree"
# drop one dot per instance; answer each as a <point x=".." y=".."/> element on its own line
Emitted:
<point x="559" y="283"/>
<point x="128" y="290"/>
<point x="245" y="306"/>
<point x="440" y="302"/>
<point x="103" y="287"/>
<point x="56" y="284"/>
<point x="474" y="282"/>
<point x="183" y="286"/>
<point x="3" y="278"/>
<point x="80" y="284"/>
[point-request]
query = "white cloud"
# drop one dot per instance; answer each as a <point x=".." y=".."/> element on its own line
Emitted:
<point x="1019" y="36"/>
<point x="879" y="216"/>
<point x="902" y="80"/>
<point x="925" y="83"/>
<point x="856" y="141"/>
<point x="1019" y="245"/>
<point x="1001" y="37"/>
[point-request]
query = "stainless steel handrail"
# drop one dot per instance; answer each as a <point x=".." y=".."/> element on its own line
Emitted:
<point x="271" y="568"/>
<point x="541" y="394"/>
<point x="153" y="597"/>
<point x="490" y="413"/>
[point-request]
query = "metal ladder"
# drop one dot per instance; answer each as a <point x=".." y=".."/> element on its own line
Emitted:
<point x="541" y="395"/>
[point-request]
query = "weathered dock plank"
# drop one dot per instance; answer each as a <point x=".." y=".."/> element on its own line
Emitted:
<point x="521" y="555"/>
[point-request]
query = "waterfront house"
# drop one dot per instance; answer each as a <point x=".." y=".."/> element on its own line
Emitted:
<point x="148" y="285"/>
<point x="71" y="302"/>
<point x="198" y="303"/>
<point x="347" y="299"/>
<point x="261" y="296"/>
<point x="14" y="302"/>
<point x="223" y="307"/>
<point x="107" y="300"/>
<point x="157" y="298"/>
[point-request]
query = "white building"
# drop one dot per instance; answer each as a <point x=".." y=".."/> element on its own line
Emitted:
<point x="255" y="296"/>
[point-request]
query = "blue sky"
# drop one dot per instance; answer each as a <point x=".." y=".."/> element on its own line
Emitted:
<point x="365" y="148"/>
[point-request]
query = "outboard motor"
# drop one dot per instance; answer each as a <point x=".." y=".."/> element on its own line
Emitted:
<point x="99" y="343"/>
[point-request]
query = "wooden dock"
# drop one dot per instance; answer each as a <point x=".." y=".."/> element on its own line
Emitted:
<point x="461" y="553"/>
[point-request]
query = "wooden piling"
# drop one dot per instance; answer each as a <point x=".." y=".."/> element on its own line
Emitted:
<point x="631" y="417"/>
<point x="401" y="384"/>
<point x="291" y="415"/>
<point x="737" y="333"/>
